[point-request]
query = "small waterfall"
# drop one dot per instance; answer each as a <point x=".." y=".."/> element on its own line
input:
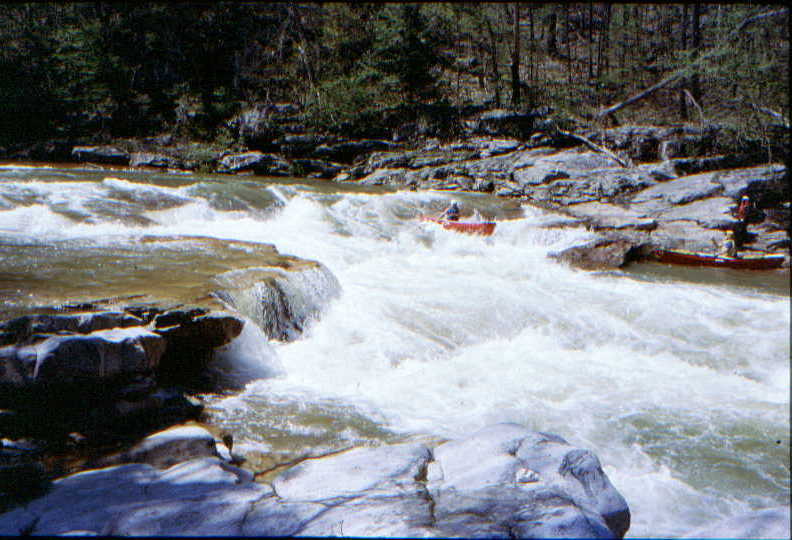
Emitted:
<point x="283" y="303"/>
<point x="247" y="358"/>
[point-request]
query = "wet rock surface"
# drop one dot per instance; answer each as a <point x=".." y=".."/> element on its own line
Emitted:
<point x="504" y="481"/>
<point x="72" y="383"/>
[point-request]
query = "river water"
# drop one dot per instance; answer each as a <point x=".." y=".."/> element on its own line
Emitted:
<point x="679" y="380"/>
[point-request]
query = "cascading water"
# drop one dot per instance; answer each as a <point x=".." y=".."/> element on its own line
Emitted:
<point x="681" y="388"/>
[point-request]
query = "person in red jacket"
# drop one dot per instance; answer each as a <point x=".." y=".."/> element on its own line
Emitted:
<point x="742" y="210"/>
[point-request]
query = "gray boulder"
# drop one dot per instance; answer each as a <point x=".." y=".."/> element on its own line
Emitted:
<point x="99" y="356"/>
<point x="258" y="162"/>
<point x="599" y="254"/>
<point x="167" y="448"/>
<point x="151" y="159"/>
<point x="109" y="155"/>
<point x="508" y="481"/>
<point x="504" y="481"/>
<point x="316" y="168"/>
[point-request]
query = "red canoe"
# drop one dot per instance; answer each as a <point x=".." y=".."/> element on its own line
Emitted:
<point x="483" y="228"/>
<point x="689" y="258"/>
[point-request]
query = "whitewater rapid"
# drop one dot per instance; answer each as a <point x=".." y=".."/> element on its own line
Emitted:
<point x="681" y="389"/>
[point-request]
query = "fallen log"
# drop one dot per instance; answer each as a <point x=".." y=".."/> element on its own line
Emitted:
<point x="597" y="148"/>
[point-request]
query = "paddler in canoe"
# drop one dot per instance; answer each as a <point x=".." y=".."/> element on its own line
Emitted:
<point x="449" y="219"/>
<point x="451" y="213"/>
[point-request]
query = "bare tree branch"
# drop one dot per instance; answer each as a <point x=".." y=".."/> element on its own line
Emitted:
<point x="596" y="147"/>
<point x="684" y="71"/>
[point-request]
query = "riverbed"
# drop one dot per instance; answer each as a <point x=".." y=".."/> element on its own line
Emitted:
<point x="678" y="379"/>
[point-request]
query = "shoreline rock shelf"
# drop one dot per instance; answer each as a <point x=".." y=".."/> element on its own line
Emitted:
<point x="504" y="480"/>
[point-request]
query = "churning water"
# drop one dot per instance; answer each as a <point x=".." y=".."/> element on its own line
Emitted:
<point x="680" y="387"/>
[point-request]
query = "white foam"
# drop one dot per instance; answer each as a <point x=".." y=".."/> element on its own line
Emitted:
<point x="443" y="333"/>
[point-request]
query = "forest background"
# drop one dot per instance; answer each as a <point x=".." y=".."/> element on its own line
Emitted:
<point x="98" y="71"/>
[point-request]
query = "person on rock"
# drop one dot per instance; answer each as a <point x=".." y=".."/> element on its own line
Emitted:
<point x="740" y="229"/>
<point x="451" y="213"/>
<point x="729" y="248"/>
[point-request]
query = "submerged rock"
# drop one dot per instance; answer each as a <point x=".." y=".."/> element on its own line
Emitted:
<point x="504" y="481"/>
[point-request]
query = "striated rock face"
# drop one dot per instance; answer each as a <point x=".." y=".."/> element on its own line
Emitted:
<point x="96" y="357"/>
<point x="504" y="481"/>
<point x="105" y="370"/>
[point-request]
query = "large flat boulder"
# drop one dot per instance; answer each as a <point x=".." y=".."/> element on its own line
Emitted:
<point x="504" y="481"/>
<point x="509" y="481"/>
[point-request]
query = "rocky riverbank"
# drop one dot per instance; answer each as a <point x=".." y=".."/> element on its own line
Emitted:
<point x="638" y="187"/>
<point x="81" y="379"/>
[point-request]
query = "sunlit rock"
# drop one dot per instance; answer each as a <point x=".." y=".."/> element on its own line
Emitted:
<point x="100" y="355"/>
<point x="151" y="159"/>
<point x="601" y="253"/>
<point x="258" y="162"/>
<point x="504" y="481"/>
<point x="167" y="448"/>
<point x="478" y="488"/>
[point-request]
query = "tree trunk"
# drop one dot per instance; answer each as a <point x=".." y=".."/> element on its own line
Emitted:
<point x="695" y="83"/>
<point x="551" y="34"/>
<point x="604" y="43"/>
<point x="568" y="42"/>
<point x="683" y="112"/>
<point x="515" y="65"/>
<point x="591" y="40"/>
<point x="531" y="48"/>
<point x="623" y="36"/>
<point x="637" y="38"/>
<point x="495" y="76"/>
